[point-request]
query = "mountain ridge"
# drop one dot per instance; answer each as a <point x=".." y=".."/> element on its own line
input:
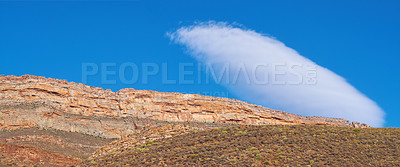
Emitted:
<point x="60" y="104"/>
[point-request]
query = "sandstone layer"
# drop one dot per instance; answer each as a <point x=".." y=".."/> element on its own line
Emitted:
<point x="75" y="107"/>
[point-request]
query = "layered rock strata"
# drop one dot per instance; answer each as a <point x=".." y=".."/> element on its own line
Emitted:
<point x="28" y="101"/>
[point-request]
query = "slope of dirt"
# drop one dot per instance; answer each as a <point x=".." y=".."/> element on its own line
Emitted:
<point x="51" y="147"/>
<point x="156" y="133"/>
<point x="274" y="145"/>
<point x="40" y="147"/>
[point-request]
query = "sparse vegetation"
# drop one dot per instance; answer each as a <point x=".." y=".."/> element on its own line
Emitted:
<point x="267" y="146"/>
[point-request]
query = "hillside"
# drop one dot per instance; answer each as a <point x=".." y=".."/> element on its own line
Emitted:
<point x="74" y="107"/>
<point x="46" y="147"/>
<point x="274" y="145"/>
<point x="52" y="122"/>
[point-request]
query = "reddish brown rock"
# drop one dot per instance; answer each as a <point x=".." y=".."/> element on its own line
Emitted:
<point x="28" y="154"/>
<point x="73" y="106"/>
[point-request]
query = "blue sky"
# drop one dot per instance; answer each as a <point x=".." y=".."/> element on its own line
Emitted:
<point x="358" y="40"/>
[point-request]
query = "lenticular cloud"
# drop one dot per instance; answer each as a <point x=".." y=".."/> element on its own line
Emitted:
<point x="263" y="70"/>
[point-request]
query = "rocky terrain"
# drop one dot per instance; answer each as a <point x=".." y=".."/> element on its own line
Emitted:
<point x="52" y="122"/>
<point x="46" y="147"/>
<point x="34" y="101"/>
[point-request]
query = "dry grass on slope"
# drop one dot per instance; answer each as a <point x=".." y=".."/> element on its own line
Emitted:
<point x="278" y="145"/>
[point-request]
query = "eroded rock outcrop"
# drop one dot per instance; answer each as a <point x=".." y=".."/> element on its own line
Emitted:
<point x="59" y="104"/>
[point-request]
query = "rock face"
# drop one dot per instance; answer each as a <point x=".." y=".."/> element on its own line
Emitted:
<point x="29" y="101"/>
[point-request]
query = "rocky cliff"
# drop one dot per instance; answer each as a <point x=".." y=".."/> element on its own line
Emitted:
<point x="33" y="101"/>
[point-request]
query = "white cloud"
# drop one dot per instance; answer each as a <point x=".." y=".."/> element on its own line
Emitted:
<point x="291" y="77"/>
